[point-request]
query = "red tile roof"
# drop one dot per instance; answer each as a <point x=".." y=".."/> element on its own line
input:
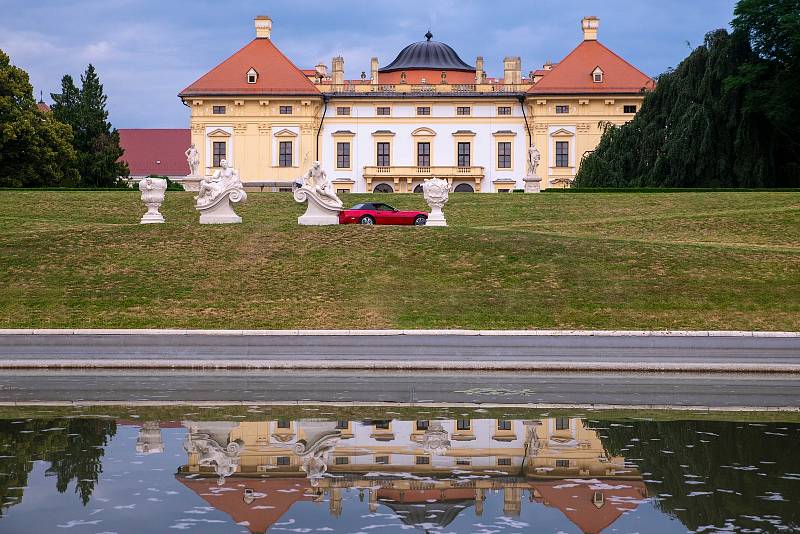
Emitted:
<point x="573" y="75"/>
<point x="277" y="75"/>
<point x="145" y="148"/>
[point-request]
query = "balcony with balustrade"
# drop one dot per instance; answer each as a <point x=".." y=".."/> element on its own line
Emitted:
<point x="404" y="179"/>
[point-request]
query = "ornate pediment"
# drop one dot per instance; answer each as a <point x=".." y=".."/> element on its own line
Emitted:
<point x="219" y="132"/>
<point x="285" y="133"/>
<point x="561" y="132"/>
<point x="423" y="131"/>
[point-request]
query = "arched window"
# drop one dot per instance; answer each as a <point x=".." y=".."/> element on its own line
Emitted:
<point x="383" y="188"/>
<point x="418" y="189"/>
<point x="464" y="188"/>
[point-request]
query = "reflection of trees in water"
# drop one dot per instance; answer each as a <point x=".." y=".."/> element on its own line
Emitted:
<point x="76" y="457"/>
<point x="735" y="445"/>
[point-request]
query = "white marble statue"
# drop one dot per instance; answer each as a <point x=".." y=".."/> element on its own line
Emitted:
<point x="436" y="440"/>
<point x="436" y="192"/>
<point x="215" y="194"/>
<point x="193" y="159"/>
<point x="153" y="196"/>
<point x="323" y="204"/>
<point x="150" y="440"/>
<point x="533" y="183"/>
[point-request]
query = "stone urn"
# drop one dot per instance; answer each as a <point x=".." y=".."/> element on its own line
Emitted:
<point x="153" y="196"/>
<point x="436" y="192"/>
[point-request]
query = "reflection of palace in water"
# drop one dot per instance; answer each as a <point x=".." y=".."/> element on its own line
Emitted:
<point x="425" y="471"/>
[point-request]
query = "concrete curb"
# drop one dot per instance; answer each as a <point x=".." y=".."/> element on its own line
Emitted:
<point x="590" y="333"/>
<point x="408" y="365"/>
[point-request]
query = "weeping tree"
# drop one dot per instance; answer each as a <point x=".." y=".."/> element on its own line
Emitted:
<point x="725" y="117"/>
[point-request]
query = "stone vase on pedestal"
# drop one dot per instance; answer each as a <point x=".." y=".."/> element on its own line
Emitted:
<point x="153" y="196"/>
<point x="436" y="192"/>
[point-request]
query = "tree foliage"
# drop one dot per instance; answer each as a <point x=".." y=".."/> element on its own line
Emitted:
<point x="95" y="140"/>
<point x="725" y="117"/>
<point x="35" y="148"/>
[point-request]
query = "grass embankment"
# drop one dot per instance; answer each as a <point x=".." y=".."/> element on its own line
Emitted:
<point x="595" y="261"/>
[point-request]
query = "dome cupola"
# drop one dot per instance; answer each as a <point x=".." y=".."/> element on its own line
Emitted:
<point x="427" y="55"/>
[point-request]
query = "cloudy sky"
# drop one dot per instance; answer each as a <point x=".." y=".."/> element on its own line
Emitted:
<point x="146" y="51"/>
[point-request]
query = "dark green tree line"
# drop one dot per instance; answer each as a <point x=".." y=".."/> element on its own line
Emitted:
<point x="725" y="117"/>
<point x="35" y="148"/>
<point x="96" y="142"/>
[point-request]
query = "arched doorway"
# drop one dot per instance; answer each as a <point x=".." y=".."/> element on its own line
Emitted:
<point x="418" y="189"/>
<point x="464" y="188"/>
<point x="383" y="188"/>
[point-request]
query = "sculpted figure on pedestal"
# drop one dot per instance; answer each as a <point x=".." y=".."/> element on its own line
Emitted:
<point x="323" y="204"/>
<point x="193" y="159"/>
<point x="215" y="195"/>
<point x="534" y="156"/>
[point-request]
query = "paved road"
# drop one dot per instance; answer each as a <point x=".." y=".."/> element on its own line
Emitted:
<point x="652" y="352"/>
<point x="617" y="389"/>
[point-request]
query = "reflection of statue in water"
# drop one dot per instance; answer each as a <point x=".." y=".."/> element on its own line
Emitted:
<point x="534" y="156"/>
<point x="317" y="180"/>
<point x="193" y="159"/>
<point x="149" y="440"/>
<point x="210" y="453"/>
<point x="436" y="440"/>
<point x="321" y="439"/>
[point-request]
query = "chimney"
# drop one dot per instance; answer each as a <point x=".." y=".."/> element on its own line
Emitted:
<point x="374" y="68"/>
<point x="338" y="70"/>
<point x="480" y="74"/>
<point x="512" y="70"/>
<point x="263" y="27"/>
<point x="590" y="26"/>
<point x="322" y="70"/>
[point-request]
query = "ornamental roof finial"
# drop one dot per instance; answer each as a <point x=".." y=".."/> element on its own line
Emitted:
<point x="429" y="35"/>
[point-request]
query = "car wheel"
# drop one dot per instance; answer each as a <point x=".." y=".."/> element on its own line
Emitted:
<point x="420" y="220"/>
<point x="366" y="219"/>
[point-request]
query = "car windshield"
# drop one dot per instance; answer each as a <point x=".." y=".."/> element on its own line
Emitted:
<point x="361" y="206"/>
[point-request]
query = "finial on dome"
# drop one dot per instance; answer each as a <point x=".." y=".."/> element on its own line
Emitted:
<point x="429" y="35"/>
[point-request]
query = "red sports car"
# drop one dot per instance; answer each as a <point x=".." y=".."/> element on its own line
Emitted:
<point x="380" y="213"/>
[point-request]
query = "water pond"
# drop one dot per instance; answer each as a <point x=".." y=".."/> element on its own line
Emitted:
<point x="438" y="470"/>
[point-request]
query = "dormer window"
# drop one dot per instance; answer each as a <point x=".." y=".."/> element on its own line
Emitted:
<point x="252" y="76"/>
<point x="597" y="75"/>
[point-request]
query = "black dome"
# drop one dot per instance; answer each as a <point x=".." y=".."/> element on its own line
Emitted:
<point x="427" y="55"/>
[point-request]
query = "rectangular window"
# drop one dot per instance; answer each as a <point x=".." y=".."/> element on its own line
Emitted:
<point x="219" y="152"/>
<point x="341" y="460"/>
<point x="463" y="461"/>
<point x="504" y="155"/>
<point x="463" y="110"/>
<point x="423" y="110"/>
<point x="342" y="155"/>
<point x="463" y="155"/>
<point x="218" y="110"/>
<point x="504" y="461"/>
<point x="504" y="425"/>
<point x="562" y="109"/>
<point x="504" y="110"/>
<point x="343" y="110"/>
<point x="383" y="154"/>
<point x="562" y="463"/>
<point x="342" y="425"/>
<point x="629" y="109"/>
<point x="423" y="154"/>
<point x="283" y="460"/>
<point x="423" y="460"/>
<point x="562" y="423"/>
<point x="562" y="153"/>
<point x="463" y="424"/>
<point x="285" y="110"/>
<point x="285" y="154"/>
<point x="383" y="460"/>
<point x="423" y="425"/>
<point x="382" y="425"/>
<point x="283" y="422"/>
<point x="384" y="110"/>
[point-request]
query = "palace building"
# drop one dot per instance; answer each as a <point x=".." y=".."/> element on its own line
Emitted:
<point x="426" y="113"/>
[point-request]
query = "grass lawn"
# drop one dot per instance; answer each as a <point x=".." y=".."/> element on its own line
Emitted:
<point x="598" y="261"/>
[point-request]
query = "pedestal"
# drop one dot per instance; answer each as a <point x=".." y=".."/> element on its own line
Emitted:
<point x="152" y="218"/>
<point x="189" y="183"/>
<point x="436" y="218"/>
<point x="316" y="213"/>
<point x="533" y="184"/>
<point x="219" y="213"/>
